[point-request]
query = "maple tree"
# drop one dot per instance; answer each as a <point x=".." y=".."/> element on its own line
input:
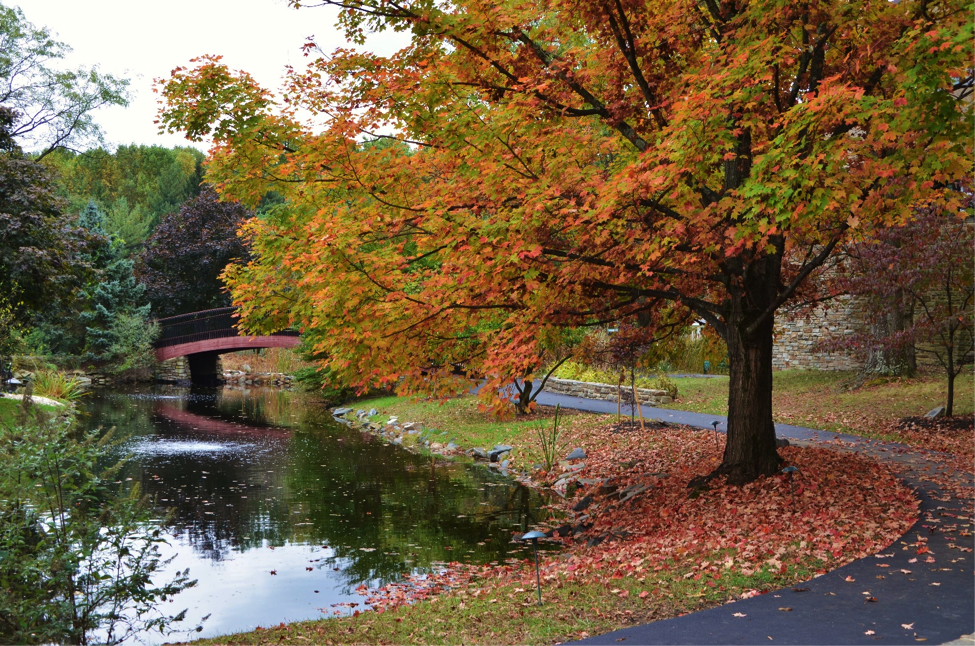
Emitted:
<point x="43" y="263"/>
<point x="564" y="165"/>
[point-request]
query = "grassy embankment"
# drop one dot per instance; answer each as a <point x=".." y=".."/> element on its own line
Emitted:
<point x="509" y="614"/>
<point x="9" y="408"/>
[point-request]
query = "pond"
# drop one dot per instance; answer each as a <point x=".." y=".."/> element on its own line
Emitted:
<point x="280" y="512"/>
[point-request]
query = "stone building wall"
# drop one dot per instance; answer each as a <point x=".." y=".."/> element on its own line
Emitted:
<point x="798" y="338"/>
<point x="604" y="392"/>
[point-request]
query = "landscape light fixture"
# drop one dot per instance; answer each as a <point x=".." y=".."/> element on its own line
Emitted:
<point x="533" y="536"/>
<point x="715" y="425"/>
<point x="791" y="471"/>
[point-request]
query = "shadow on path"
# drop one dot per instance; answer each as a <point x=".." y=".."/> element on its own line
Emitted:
<point x="926" y="597"/>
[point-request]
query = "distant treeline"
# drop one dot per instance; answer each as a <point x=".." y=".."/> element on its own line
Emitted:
<point x="135" y="186"/>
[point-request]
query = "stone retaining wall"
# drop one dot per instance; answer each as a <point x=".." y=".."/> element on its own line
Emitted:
<point x="604" y="392"/>
<point x="172" y="370"/>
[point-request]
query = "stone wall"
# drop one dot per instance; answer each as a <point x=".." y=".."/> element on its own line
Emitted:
<point x="797" y="338"/>
<point x="604" y="392"/>
<point x="172" y="370"/>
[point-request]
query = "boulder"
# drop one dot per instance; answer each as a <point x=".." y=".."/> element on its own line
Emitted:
<point x="339" y="412"/>
<point x="451" y="446"/>
<point x="373" y="411"/>
<point x="498" y="451"/>
<point x="606" y="488"/>
<point x="781" y="442"/>
<point x="479" y="454"/>
<point x="577" y="454"/>
<point x="562" y="531"/>
<point x="582" y="504"/>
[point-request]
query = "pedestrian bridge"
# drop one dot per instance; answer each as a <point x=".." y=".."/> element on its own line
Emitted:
<point x="203" y="336"/>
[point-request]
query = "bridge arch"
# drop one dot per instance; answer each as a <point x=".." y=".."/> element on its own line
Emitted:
<point x="201" y="337"/>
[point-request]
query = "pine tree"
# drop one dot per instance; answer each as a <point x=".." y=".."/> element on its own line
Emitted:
<point x="115" y="300"/>
<point x="117" y="303"/>
<point x="92" y="218"/>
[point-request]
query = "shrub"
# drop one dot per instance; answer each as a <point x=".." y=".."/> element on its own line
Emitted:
<point x="77" y="558"/>
<point x="581" y="372"/>
<point x="57" y="385"/>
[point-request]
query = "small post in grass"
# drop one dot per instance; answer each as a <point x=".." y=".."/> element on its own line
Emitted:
<point x="715" y="425"/>
<point x="533" y="536"/>
<point x="790" y="471"/>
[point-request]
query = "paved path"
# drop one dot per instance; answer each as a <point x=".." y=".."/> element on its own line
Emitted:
<point x="935" y="599"/>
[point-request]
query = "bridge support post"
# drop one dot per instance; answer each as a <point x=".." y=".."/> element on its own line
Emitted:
<point x="205" y="368"/>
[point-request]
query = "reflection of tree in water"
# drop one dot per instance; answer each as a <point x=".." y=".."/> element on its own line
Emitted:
<point x="384" y="511"/>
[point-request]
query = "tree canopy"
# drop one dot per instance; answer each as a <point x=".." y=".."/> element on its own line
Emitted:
<point x="42" y="260"/>
<point x="181" y="263"/>
<point x="135" y="186"/>
<point x="53" y="105"/>
<point x="923" y="272"/>
<point x="573" y="163"/>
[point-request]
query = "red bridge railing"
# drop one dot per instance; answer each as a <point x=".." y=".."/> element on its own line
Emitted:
<point x="200" y="326"/>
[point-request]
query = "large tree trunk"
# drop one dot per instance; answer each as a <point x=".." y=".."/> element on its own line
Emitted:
<point x="750" y="452"/>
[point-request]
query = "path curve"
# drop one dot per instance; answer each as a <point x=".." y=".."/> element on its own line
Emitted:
<point x="936" y="600"/>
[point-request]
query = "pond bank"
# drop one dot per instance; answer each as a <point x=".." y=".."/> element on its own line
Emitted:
<point x="663" y="553"/>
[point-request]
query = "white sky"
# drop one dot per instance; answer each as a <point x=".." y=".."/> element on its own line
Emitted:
<point x="143" y="40"/>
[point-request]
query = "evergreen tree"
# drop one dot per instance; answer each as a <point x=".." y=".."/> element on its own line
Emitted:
<point x="115" y="301"/>
<point x="92" y="219"/>
<point x="129" y="224"/>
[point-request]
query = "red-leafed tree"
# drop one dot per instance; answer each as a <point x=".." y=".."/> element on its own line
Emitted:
<point x="566" y="164"/>
<point x="922" y="271"/>
<point x="181" y="263"/>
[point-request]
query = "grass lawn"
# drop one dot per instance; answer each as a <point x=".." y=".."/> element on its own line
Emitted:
<point x="825" y="401"/>
<point x="510" y="614"/>
<point x="470" y="427"/>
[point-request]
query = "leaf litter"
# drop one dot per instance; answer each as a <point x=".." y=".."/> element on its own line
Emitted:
<point x="842" y="507"/>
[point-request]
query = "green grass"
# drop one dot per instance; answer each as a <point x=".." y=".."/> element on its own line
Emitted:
<point x="470" y="427"/>
<point x="824" y="400"/>
<point x="10" y="407"/>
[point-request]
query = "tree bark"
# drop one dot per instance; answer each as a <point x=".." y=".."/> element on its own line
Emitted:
<point x="524" y="396"/>
<point x="750" y="451"/>
<point x="950" y="366"/>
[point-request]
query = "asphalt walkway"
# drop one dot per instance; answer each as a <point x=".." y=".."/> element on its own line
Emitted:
<point x="919" y="598"/>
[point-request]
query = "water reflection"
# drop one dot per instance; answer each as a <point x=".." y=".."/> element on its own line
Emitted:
<point x="265" y="480"/>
